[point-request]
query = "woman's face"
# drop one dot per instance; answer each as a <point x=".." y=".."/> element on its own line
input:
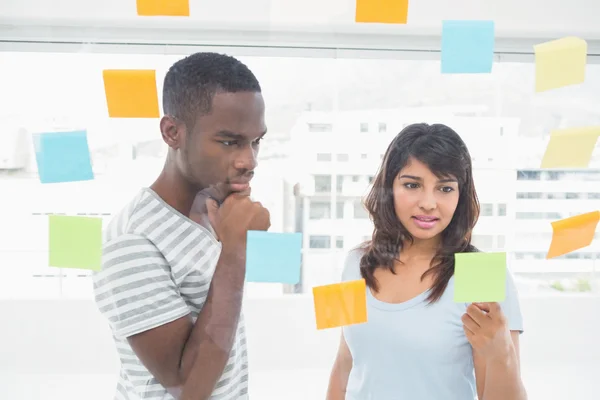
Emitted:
<point x="424" y="203"/>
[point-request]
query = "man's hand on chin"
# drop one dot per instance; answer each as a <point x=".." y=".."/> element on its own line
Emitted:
<point x="199" y="212"/>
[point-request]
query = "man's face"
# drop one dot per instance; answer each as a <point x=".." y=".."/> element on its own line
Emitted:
<point x="220" y="154"/>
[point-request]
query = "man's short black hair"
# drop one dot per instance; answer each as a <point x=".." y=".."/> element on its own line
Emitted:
<point x="191" y="83"/>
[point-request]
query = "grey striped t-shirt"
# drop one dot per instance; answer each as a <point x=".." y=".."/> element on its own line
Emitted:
<point x="157" y="266"/>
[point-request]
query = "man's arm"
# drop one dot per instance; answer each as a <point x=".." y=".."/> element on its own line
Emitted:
<point x="188" y="359"/>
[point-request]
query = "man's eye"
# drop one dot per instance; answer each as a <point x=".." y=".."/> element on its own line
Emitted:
<point x="228" y="143"/>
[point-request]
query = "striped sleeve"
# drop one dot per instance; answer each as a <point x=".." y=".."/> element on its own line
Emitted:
<point x="135" y="290"/>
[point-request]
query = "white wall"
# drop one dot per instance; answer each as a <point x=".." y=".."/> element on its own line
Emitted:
<point x="511" y="16"/>
<point x="560" y="351"/>
<point x="307" y="22"/>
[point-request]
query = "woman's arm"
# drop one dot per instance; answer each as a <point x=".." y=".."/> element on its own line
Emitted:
<point x="340" y="372"/>
<point x="500" y="378"/>
<point x="495" y="353"/>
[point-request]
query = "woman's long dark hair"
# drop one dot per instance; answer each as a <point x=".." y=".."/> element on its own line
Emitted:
<point x="444" y="152"/>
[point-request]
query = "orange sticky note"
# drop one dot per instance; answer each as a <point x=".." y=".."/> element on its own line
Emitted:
<point x="382" y="11"/>
<point x="131" y="93"/>
<point x="340" y="304"/>
<point x="573" y="233"/>
<point x="168" y="8"/>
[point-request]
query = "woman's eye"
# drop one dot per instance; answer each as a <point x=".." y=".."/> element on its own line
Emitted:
<point x="411" y="185"/>
<point x="447" y="189"/>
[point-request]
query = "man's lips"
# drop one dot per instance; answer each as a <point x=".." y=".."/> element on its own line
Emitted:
<point x="238" y="187"/>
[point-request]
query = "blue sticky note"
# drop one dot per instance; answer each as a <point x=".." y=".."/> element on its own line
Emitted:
<point x="63" y="157"/>
<point x="467" y="47"/>
<point x="273" y="257"/>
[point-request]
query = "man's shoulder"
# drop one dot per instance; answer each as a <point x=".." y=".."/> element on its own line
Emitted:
<point x="126" y="220"/>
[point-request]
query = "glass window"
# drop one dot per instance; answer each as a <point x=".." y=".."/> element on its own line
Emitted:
<point x="323" y="157"/>
<point x="483" y="242"/>
<point x="360" y="212"/>
<point x="339" y="184"/>
<point x="502" y="120"/>
<point x="340" y="210"/>
<point x="320" y="210"/>
<point x="320" y="242"/>
<point x="501" y="210"/>
<point x="322" y="183"/>
<point x="487" y="210"/>
<point x="315" y="127"/>
<point x="501" y="241"/>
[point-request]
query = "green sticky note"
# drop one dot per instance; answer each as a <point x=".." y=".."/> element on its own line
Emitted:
<point x="479" y="277"/>
<point x="75" y="242"/>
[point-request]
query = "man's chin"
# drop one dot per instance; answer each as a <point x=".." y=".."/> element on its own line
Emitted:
<point x="220" y="191"/>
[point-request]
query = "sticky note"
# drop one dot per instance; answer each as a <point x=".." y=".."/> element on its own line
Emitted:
<point x="479" y="277"/>
<point x="570" y="148"/>
<point x="467" y="47"/>
<point x="340" y="304"/>
<point x="63" y="157"/>
<point x="131" y="93"/>
<point x="573" y="233"/>
<point x="382" y="11"/>
<point x="560" y="63"/>
<point x="169" y="8"/>
<point x="75" y="242"/>
<point x="273" y="257"/>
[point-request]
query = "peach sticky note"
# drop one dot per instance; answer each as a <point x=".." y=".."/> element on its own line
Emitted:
<point x="131" y="93"/>
<point x="169" y="8"/>
<point x="560" y="63"/>
<point x="573" y="233"/>
<point x="382" y="11"/>
<point x="340" y="304"/>
<point x="571" y="148"/>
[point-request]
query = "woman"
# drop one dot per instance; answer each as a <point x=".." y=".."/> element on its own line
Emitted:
<point x="418" y="344"/>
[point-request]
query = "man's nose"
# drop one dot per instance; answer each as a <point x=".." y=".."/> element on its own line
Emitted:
<point x="246" y="159"/>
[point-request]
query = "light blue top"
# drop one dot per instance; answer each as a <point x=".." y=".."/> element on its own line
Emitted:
<point x="412" y="350"/>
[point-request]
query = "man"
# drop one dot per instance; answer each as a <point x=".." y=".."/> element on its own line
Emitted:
<point x="171" y="286"/>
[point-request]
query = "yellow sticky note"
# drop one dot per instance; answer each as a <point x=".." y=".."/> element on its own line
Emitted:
<point x="560" y="63"/>
<point x="131" y="93"/>
<point x="573" y="233"/>
<point x="75" y="242"/>
<point x="169" y="8"/>
<point x="570" y="148"/>
<point x="382" y="11"/>
<point x="340" y="304"/>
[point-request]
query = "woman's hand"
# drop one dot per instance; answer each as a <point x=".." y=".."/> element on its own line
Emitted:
<point x="487" y="330"/>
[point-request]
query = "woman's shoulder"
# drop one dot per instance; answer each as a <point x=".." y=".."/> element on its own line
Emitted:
<point x="352" y="264"/>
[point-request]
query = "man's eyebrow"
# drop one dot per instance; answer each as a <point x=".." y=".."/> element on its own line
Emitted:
<point x="230" y="135"/>
<point x="235" y="136"/>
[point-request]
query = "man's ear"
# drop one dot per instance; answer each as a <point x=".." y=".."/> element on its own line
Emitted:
<point x="172" y="131"/>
